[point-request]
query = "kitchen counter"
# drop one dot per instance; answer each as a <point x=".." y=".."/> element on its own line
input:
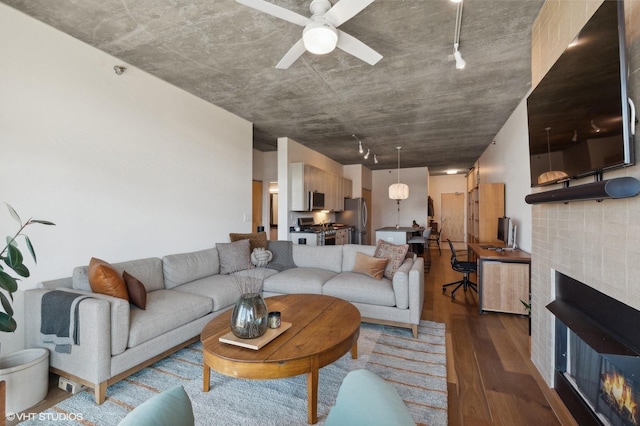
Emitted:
<point x="395" y="235"/>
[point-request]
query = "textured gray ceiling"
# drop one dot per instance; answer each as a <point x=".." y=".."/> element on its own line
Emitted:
<point x="225" y="53"/>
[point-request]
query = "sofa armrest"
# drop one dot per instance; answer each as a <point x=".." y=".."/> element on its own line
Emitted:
<point x="416" y="290"/>
<point x="58" y="283"/>
<point x="400" y="284"/>
<point x="91" y="359"/>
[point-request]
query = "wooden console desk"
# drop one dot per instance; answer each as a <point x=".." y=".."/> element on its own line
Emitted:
<point x="503" y="279"/>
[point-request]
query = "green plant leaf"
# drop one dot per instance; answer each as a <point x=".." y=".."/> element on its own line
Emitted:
<point x="42" y="222"/>
<point x="14" y="256"/>
<point x="6" y="305"/>
<point x="14" y="214"/>
<point x="7" y="323"/>
<point x="30" y="247"/>
<point x="8" y="283"/>
<point x="22" y="270"/>
<point x="11" y="241"/>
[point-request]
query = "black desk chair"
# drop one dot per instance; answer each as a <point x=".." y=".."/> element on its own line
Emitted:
<point x="465" y="268"/>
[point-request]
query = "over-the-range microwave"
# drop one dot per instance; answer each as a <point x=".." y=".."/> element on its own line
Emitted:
<point x="316" y="201"/>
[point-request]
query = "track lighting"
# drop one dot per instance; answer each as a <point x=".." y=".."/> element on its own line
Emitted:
<point x="460" y="63"/>
<point x="360" y="150"/>
<point x="594" y="127"/>
<point x="575" y="136"/>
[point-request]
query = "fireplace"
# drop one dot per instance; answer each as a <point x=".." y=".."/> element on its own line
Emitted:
<point x="597" y="355"/>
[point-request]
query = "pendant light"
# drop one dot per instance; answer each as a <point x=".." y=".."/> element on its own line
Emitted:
<point x="551" y="175"/>
<point x="398" y="191"/>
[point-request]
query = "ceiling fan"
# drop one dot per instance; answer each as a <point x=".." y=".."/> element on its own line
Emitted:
<point x="320" y="34"/>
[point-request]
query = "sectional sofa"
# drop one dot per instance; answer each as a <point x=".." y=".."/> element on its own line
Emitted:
<point x="185" y="291"/>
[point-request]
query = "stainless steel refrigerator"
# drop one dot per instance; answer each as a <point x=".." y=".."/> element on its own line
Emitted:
<point x="355" y="214"/>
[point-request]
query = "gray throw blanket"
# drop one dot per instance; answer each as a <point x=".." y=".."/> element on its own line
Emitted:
<point x="60" y="319"/>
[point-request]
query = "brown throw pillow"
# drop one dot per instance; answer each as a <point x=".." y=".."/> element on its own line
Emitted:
<point x="394" y="253"/>
<point x="256" y="239"/>
<point x="136" y="290"/>
<point x="104" y="279"/>
<point x="369" y="265"/>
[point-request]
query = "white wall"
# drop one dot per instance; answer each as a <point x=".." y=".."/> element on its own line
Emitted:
<point x="126" y="166"/>
<point x="507" y="161"/>
<point x="385" y="210"/>
<point x="361" y="178"/>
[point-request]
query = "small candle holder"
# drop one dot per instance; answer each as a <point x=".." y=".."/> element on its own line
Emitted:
<point x="274" y="319"/>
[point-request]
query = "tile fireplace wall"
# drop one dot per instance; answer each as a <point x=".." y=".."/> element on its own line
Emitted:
<point x="596" y="243"/>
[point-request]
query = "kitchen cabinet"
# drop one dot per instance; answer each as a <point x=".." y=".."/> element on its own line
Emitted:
<point x="342" y="237"/>
<point x="305" y="178"/>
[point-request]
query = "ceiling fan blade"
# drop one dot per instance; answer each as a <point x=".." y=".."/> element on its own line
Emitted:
<point x="344" y="10"/>
<point x="357" y="48"/>
<point x="291" y="56"/>
<point x="277" y="11"/>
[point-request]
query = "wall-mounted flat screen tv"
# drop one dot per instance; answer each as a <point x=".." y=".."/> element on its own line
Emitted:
<point x="579" y="115"/>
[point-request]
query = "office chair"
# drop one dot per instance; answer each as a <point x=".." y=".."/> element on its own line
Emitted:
<point x="465" y="268"/>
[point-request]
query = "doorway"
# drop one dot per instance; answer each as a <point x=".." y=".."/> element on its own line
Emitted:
<point x="452" y="216"/>
<point x="256" y="205"/>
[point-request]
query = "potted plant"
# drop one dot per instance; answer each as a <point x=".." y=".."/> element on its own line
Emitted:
<point x="13" y="260"/>
<point x="29" y="366"/>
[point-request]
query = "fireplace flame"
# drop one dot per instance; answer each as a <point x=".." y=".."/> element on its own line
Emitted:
<point x="620" y="393"/>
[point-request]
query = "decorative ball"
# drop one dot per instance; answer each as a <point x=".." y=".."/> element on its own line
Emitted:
<point x="260" y="257"/>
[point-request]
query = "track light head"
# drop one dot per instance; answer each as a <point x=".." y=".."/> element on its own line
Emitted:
<point x="375" y="159"/>
<point x="460" y="63"/>
<point x="366" y="156"/>
<point x="119" y="69"/>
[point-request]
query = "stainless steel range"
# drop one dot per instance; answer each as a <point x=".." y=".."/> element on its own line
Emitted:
<point x="313" y="234"/>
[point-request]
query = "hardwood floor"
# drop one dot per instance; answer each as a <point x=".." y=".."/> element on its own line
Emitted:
<point x="491" y="380"/>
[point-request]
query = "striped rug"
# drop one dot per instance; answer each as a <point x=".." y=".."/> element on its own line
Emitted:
<point x="416" y="367"/>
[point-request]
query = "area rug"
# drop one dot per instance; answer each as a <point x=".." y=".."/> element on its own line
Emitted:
<point x="416" y="367"/>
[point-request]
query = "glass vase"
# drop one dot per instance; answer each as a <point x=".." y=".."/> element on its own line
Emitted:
<point x="249" y="318"/>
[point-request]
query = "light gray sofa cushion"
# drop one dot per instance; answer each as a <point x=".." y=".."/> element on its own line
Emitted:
<point x="185" y="267"/>
<point x="166" y="311"/>
<point x="148" y="271"/>
<point x="298" y="280"/>
<point x="361" y="288"/>
<point x="323" y="257"/>
<point x="282" y="252"/>
<point x="349" y="254"/>
<point x="220" y="289"/>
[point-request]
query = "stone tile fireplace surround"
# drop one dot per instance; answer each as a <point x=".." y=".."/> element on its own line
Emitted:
<point x="597" y="361"/>
<point x="596" y="243"/>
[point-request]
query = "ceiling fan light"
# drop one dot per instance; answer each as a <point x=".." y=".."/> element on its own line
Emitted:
<point x="319" y="38"/>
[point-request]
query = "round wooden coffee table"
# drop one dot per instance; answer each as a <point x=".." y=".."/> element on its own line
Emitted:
<point x="323" y="329"/>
